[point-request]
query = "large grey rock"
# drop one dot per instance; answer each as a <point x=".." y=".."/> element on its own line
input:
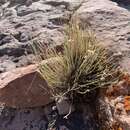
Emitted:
<point x="111" y="22"/>
<point x="25" y="21"/>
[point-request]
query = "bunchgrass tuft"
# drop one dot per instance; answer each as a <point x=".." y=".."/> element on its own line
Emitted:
<point x="83" y="66"/>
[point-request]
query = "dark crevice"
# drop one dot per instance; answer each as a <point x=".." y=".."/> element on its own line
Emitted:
<point x="54" y="3"/>
<point x="59" y="21"/>
<point x="16" y="51"/>
<point x="19" y="25"/>
<point x="22" y="37"/>
<point x="4" y="38"/>
<point x="75" y="121"/>
<point x="21" y="2"/>
<point x="123" y="3"/>
<point x="17" y="36"/>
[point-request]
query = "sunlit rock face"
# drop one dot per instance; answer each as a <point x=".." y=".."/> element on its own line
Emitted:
<point x="23" y="22"/>
<point x="111" y="22"/>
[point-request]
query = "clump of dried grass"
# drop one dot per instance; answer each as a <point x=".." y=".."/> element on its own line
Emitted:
<point x="83" y="66"/>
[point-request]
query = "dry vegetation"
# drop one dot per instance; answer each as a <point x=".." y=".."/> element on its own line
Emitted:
<point x="83" y="65"/>
<point x="82" y="68"/>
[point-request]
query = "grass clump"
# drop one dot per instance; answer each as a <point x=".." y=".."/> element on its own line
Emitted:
<point x="83" y="65"/>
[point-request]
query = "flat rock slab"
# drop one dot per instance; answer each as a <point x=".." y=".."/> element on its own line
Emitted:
<point x="23" y="87"/>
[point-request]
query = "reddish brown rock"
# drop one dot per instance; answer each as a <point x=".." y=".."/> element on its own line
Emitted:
<point x="23" y="87"/>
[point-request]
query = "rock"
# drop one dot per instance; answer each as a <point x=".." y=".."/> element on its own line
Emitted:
<point x="23" y="10"/>
<point x="29" y="2"/>
<point x="7" y="65"/>
<point x="23" y="119"/>
<point x="3" y="2"/>
<point x="24" y="60"/>
<point x="111" y="24"/>
<point x="25" y="21"/>
<point x="105" y="114"/>
<point x="64" y="107"/>
<point x="24" y="37"/>
<point x="13" y="2"/>
<point x="23" y="87"/>
<point x="4" y="38"/>
<point x="119" y="109"/>
<point x="57" y="3"/>
<point x="125" y="121"/>
<point x="121" y="89"/>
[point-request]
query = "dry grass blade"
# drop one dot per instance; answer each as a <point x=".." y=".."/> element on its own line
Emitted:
<point x="84" y="65"/>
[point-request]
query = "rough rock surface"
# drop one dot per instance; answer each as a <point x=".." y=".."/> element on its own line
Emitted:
<point x="37" y="119"/>
<point x="23" y="87"/>
<point x="23" y="119"/>
<point x="25" y="21"/>
<point x="111" y="22"/>
<point x="119" y="101"/>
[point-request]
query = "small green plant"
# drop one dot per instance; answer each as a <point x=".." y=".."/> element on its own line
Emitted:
<point x="83" y="65"/>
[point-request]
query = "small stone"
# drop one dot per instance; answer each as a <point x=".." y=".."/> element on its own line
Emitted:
<point x="54" y="108"/>
<point x="24" y="37"/>
<point x="64" y="106"/>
